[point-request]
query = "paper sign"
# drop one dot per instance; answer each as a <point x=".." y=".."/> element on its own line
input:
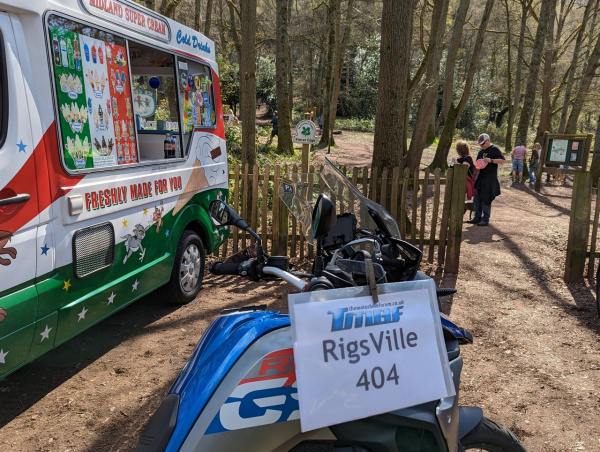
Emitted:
<point x="356" y="359"/>
<point x="558" y="153"/>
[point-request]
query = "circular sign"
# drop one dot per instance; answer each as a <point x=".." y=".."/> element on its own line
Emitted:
<point x="154" y="82"/>
<point x="184" y="80"/>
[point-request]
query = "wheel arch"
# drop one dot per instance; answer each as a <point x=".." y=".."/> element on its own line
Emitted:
<point x="193" y="218"/>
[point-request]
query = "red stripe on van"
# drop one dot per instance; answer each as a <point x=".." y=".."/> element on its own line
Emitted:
<point x="42" y="167"/>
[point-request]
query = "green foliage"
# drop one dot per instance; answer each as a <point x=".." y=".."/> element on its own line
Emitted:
<point x="230" y="82"/>
<point x="362" y="99"/>
<point x="266" y="154"/>
<point x="233" y="141"/>
<point x="356" y="124"/>
<point x="266" y="83"/>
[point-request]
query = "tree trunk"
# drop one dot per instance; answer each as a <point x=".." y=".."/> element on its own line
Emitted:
<point x="248" y="80"/>
<point x="208" y="19"/>
<point x="584" y="87"/>
<point x="389" y="143"/>
<point x="534" y="70"/>
<point x="440" y="159"/>
<point x="453" y="48"/>
<point x="516" y="97"/>
<point x="341" y="43"/>
<point x="332" y="22"/>
<point x="282" y="65"/>
<point x="549" y="56"/>
<point x="197" y="10"/>
<point x="574" y="64"/>
<point x="233" y="12"/>
<point x="432" y="76"/>
<point x="595" y="167"/>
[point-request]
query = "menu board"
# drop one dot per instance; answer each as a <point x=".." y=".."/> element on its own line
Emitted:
<point x="94" y="98"/>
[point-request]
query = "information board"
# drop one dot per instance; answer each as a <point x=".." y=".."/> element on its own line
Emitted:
<point x="568" y="152"/>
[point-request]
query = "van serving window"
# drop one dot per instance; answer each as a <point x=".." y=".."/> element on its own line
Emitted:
<point x="118" y="100"/>
<point x="196" y="97"/>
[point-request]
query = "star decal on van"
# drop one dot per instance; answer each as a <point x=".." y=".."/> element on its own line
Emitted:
<point x="82" y="314"/>
<point x="67" y="285"/>
<point x="45" y="249"/>
<point x="46" y="333"/>
<point x="22" y="147"/>
<point x="3" y="356"/>
<point x="111" y="299"/>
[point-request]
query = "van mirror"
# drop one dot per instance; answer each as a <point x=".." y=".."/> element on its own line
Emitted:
<point x="323" y="217"/>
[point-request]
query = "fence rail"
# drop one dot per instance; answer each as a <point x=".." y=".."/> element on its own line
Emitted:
<point x="427" y="206"/>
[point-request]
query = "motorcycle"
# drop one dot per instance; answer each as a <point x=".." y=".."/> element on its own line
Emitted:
<point x="238" y="390"/>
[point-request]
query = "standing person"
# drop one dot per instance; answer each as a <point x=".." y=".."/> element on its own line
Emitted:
<point x="519" y="154"/>
<point x="487" y="186"/>
<point x="534" y="162"/>
<point x="275" y="131"/>
<point x="231" y="119"/>
<point x="320" y="122"/>
<point x="464" y="158"/>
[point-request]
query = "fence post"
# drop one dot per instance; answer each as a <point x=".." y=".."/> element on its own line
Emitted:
<point x="579" y="227"/>
<point x="457" y="209"/>
<point x="281" y="218"/>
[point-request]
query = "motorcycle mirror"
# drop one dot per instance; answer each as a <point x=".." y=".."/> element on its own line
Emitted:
<point x="220" y="213"/>
<point x="323" y="217"/>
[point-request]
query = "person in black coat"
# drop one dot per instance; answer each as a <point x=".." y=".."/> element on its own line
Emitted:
<point x="487" y="186"/>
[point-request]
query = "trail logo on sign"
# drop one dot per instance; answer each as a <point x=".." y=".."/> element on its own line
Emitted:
<point x="306" y="132"/>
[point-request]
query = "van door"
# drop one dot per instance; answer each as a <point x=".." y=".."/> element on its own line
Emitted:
<point x="19" y="211"/>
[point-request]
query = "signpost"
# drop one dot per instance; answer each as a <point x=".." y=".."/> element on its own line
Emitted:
<point x="306" y="133"/>
<point x="355" y="358"/>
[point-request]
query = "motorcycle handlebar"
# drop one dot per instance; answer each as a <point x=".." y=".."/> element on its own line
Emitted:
<point x="220" y="268"/>
<point x="395" y="263"/>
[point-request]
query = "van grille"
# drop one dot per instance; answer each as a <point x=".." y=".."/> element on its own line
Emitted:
<point x="93" y="249"/>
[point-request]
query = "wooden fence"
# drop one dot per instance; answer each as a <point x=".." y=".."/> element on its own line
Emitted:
<point x="580" y="246"/>
<point x="428" y="208"/>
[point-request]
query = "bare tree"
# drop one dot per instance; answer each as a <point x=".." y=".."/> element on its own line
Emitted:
<point x="333" y="21"/>
<point x="389" y="144"/>
<point x="534" y="70"/>
<point x="516" y="97"/>
<point x="248" y="80"/>
<point x="574" y="64"/>
<point x="282" y="68"/>
<point x="432" y="76"/>
<point x="455" y="110"/>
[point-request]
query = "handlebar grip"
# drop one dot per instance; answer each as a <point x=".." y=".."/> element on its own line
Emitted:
<point x="220" y="268"/>
<point x="396" y="263"/>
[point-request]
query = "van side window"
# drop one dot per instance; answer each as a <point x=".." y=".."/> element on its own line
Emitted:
<point x="93" y="95"/>
<point x="196" y="97"/>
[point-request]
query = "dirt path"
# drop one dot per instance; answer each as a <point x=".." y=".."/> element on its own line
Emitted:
<point x="534" y="366"/>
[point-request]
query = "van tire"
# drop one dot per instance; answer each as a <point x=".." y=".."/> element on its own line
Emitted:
<point x="188" y="270"/>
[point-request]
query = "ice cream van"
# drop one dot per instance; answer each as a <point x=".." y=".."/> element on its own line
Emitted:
<point x="111" y="149"/>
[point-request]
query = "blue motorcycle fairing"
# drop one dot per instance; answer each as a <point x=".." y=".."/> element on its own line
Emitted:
<point x="460" y="334"/>
<point x="220" y="347"/>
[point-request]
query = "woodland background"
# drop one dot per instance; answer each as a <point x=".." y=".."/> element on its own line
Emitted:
<point x="415" y="72"/>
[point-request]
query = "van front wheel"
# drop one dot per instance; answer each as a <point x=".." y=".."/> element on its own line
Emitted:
<point x="188" y="269"/>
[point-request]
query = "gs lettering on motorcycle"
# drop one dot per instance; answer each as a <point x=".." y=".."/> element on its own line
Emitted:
<point x="266" y="395"/>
